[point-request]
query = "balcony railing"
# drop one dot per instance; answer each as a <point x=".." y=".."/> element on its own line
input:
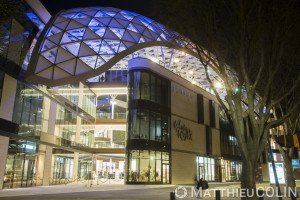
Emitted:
<point x="110" y="116"/>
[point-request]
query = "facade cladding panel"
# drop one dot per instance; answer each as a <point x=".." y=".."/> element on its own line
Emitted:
<point x="77" y="130"/>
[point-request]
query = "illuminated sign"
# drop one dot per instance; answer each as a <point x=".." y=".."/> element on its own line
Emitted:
<point x="295" y="163"/>
<point x="183" y="132"/>
<point x="279" y="167"/>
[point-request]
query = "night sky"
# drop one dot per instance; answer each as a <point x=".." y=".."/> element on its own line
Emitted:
<point x="138" y="6"/>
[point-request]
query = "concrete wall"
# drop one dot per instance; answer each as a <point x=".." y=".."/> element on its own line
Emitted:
<point x="6" y="112"/>
<point x="198" y="142"/>
<point x="183" y="102"/>
<point x="183" y="168"/>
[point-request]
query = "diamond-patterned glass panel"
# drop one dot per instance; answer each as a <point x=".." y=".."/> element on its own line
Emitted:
<point x="105" y="49"/>
<point x="89" y="60"/>
<point x="94" y="44"/>
<point x="78" y="33"/>
<point x="118" y="31"/>
<point x="50" y="54"/>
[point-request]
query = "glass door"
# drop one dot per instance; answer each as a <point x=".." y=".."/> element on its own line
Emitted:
<point x="201" y="172"/>
<point x="165" y="174"/>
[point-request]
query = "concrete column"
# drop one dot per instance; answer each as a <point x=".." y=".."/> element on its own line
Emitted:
<point x="50" y="108"/>
<point x="6" y="112"/>
<point x="3" y="156"/>
<point x="47" y="166"/>
<point x="77" y="136"/>
<point x="42" y="148"/>
<point x="75" y="166"/>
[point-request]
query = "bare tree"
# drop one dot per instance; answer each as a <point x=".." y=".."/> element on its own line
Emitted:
<point x="250" y="44"/>
<point x="288" y="128"/>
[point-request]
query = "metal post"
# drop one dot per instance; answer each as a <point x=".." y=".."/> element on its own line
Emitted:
<point x="172" y="195"/>
<point x="260" y="194"/>
<point x="218" y="194"/>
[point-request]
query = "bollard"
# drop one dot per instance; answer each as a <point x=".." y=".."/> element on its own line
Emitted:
<point x="292" y="195"/>
<point x="260" y="194"/>
<point x="218" y="194"/>
<point x="172" y="195"/>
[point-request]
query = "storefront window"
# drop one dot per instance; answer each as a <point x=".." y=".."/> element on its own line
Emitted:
<point x="206" y="168"/>
<point x="146" y="166"/>
<point x="231" y="170"/>
<point x="62" y="169"/>
<point x="21" y="164"/>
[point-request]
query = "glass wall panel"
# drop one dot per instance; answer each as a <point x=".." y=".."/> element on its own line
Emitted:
<point x="165" y="128"/>
<point x="158" y="91"/>
<point x="158" y="167"/>
<point x="152" y="126"/>
<point x="144" y="166"/>
<point x="145" y="89"/>
<point x="152" y="166"/>
<point x="133" y="166"/>
<point x="149" y="86"/>
<point x="144" y="131"/>
<point x="28" y="110"/>
<point x="136" y="85"/>
<point x="158" y="127"/>
<point x="153" y="86"/>
<point x="135" y="122"/>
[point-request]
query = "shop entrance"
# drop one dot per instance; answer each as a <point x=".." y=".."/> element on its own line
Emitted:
<point x="166" y="174"/>
<point x="20" y="170"/>
<point x="201" y="172"/>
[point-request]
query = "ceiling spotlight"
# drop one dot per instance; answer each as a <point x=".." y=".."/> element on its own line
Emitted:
<point x="218" y="85"/>
<point x="191" y="72"/>
<point x="176" y="60"/>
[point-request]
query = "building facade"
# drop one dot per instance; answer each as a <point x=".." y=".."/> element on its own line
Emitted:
<point x="105" y="94"/>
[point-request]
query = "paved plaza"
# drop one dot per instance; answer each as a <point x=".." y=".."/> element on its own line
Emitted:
<point x="114" y="191"/>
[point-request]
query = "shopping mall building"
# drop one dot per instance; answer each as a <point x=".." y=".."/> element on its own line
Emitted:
<point x="107" y="94"/>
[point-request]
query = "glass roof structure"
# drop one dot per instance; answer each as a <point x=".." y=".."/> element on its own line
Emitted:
<point x="80" y="44"/>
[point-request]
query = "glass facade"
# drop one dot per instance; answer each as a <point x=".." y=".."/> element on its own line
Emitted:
<point x="148" y="125"/>
<point x="62" y="169"/>
<point x="145" y="85"/>
<point x="148" y="166"/>
<point x="148" y="140"/>
<point x="28" y="110"/>
<point x="65" y="125"/>
<point x="87" y="133"/>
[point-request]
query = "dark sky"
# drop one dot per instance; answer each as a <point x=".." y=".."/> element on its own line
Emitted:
<point x="138" y="6"/>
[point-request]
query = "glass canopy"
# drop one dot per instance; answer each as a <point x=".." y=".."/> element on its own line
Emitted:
<point x="80" y="44"/>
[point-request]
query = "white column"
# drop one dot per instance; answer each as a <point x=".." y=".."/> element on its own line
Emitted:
<point x="47" y="172"/>
<point x="77" y="136"/>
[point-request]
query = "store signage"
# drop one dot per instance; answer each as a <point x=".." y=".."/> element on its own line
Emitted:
<point x="183" y="132"/>
<point x="295" y="163"/>
<point x="182" y="92"/>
